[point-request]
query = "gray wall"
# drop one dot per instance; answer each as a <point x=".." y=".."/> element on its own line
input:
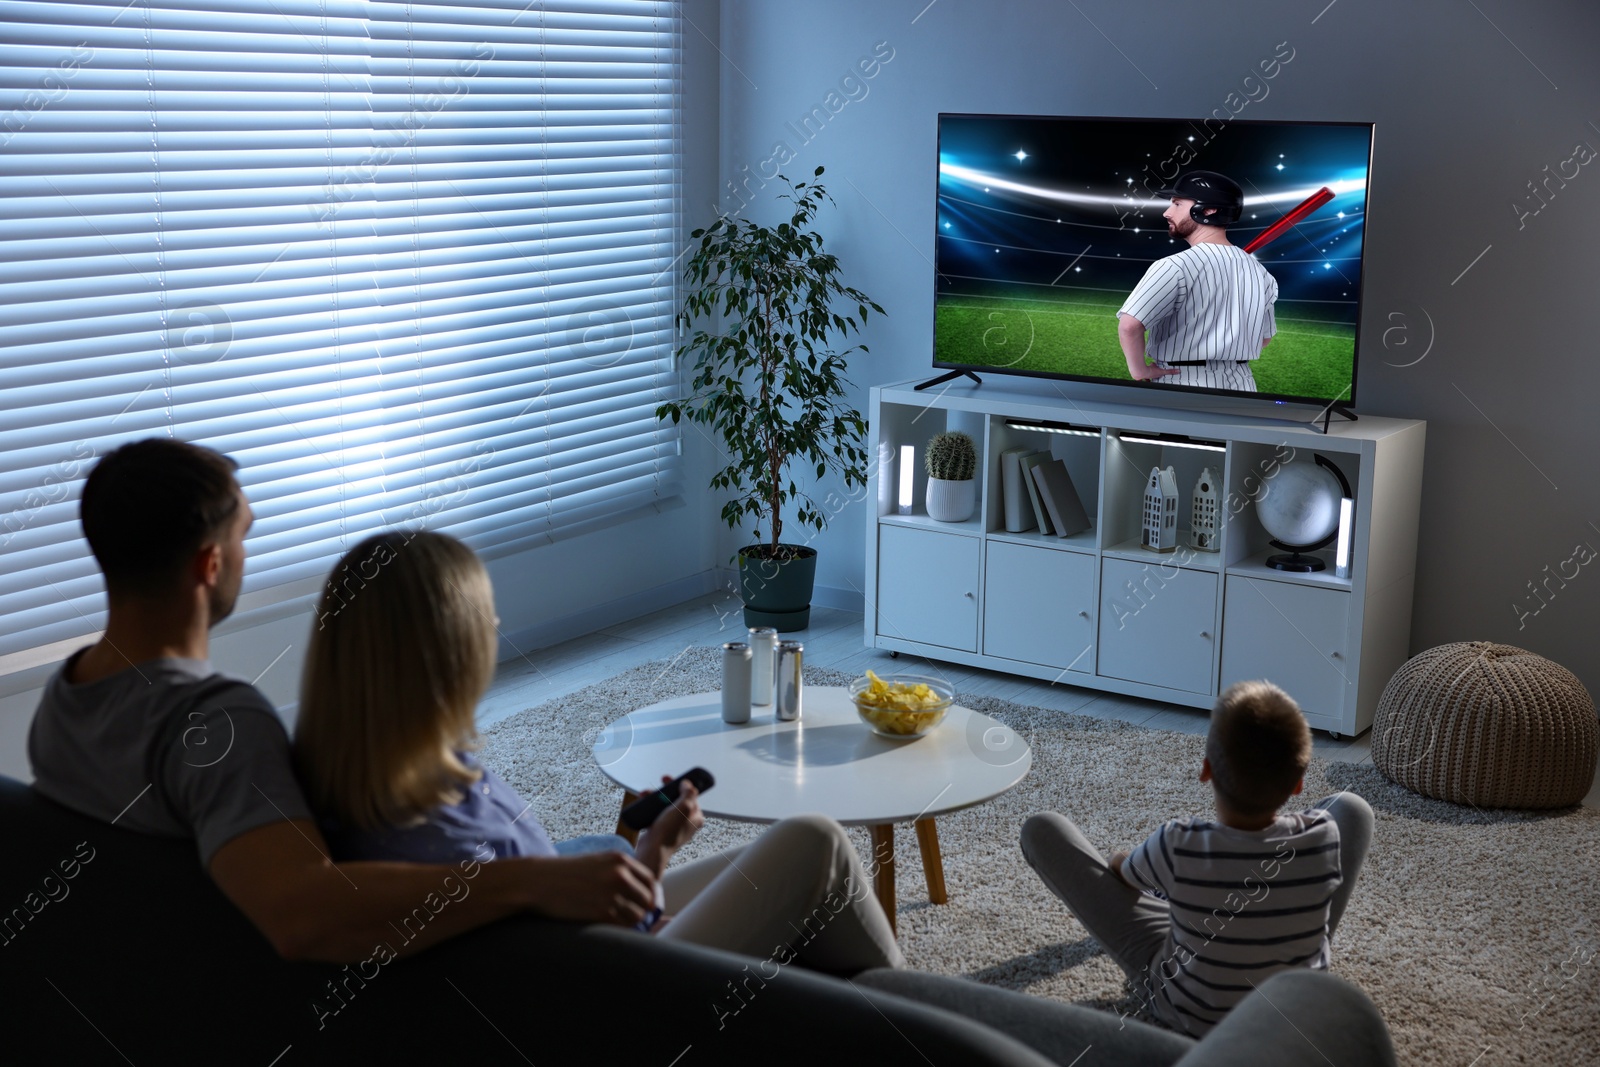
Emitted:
<point x="1480" y="319"/>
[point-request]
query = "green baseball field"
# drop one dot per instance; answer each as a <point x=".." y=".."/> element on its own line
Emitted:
<point x="1075" y="332"/>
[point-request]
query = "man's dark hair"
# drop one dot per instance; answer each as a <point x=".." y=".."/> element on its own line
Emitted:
<point x="148" y="506"/>
<point x="1259" y="746"/>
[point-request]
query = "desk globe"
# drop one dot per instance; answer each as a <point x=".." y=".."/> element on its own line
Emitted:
<point x="1300" y="509"/>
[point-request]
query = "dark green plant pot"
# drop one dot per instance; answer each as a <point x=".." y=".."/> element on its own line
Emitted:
<point x="777" y="593"/>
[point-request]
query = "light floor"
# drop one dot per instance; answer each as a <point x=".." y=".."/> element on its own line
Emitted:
<point x="835" y="640"/>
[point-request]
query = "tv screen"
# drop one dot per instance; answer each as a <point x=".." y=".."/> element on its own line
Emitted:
<point x="1049" y="227"/>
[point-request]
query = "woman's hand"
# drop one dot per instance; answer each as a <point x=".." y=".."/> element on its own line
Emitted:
<point x="672" y="829"/>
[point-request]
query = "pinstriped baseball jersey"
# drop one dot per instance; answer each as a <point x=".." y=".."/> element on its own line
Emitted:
<point x="1211" y="302"/>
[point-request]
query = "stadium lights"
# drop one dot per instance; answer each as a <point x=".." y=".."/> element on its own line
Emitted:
<point x="1171" y="440"/>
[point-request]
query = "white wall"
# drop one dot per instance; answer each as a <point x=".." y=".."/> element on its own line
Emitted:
<point x="1467" y="113"/>
<point x="546" y="594"/>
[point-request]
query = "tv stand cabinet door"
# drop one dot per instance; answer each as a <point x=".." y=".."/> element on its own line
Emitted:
<point x="1294" y="636"/>
<point x="928" y="587"/>
<point x="1038" y="606"/>
<point x="1157" y="624"/>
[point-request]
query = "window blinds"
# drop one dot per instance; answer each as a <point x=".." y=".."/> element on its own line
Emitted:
<point x="408" y="263"/>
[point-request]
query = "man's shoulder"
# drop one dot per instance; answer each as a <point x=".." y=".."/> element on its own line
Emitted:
<point x="144" y="694"/>
<point x="100" y="736"/>
<point x="221" y="690"/>
<point x="1189" y="262"/>
<point x="1210" y="251"/>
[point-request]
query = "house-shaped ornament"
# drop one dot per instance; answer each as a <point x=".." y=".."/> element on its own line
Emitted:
<point x="1203" y="512"/>
<point x="1160" y="510"/>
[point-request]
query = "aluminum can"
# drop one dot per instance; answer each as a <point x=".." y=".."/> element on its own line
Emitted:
<point x="789" y="683"/>
<point x="736" y="682"/>
<point x="763" y="650"/>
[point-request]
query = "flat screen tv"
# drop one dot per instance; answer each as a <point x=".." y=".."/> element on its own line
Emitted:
<point x="1048" y="226"/>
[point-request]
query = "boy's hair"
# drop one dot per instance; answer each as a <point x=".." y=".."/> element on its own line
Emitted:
<point x="1259" y="747"/>
<point x="402" y="649"/>
<point x="148" y="506"/>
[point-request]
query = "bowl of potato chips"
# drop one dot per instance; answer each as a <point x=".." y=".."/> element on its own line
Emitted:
<point x="902" y="705"/>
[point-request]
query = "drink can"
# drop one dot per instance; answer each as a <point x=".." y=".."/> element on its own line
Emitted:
<point x="763" y="650"/>
<point x="736" y="682"/>
<point x="789" y="682"/>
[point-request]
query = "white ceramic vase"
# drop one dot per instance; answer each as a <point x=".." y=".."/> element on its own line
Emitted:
<point x="952" y="501"/>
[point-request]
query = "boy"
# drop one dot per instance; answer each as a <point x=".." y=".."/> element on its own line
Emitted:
<point x="1204" y="911"/>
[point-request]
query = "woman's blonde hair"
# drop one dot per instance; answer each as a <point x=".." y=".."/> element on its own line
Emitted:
<point x="402" y="649"/>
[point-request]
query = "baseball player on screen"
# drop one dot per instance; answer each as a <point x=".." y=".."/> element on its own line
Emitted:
<point x="1209" y="307"/>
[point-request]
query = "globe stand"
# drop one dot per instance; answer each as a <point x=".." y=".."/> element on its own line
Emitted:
<point x="1295" y="562"/>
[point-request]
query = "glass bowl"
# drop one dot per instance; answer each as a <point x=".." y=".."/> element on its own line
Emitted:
<point x="900" y="725"/>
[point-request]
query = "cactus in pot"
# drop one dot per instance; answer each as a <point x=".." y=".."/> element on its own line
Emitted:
<point x="951" y="459"/>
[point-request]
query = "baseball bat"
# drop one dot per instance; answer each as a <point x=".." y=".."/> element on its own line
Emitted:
<point x="1275" y="231"/>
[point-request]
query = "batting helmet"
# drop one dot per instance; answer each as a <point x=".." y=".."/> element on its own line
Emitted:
<point x="1208" y="189"/>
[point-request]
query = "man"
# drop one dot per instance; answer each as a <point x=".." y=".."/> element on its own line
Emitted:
<point x="137" y="729"/>
<point x="1208" y="308"/>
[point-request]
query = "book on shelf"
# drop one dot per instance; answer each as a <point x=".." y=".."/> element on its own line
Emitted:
<point x="1060" y="498"/>
<point x="1041" y="516"/>
<point x="1013" y="497"/>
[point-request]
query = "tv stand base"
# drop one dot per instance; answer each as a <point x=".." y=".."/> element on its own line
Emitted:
<point x="941" y="379"/>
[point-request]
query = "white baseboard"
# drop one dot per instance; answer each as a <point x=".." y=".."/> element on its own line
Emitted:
<point x="827" y="596"/>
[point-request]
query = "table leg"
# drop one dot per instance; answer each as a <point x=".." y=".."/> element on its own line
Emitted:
<point x="883" y="867"/>
<point x="932" y="862"/>
<point x="628" y="797"/>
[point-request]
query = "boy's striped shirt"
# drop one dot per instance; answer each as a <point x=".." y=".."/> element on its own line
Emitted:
<point x="1245" y="905"/>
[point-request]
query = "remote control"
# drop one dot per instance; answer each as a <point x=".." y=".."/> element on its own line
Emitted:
<point x="642" y="812"/>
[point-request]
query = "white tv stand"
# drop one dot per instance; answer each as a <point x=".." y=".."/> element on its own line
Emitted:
<point x="1098" y="610"/>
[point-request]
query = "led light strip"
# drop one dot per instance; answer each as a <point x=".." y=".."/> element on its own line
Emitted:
<point x="1053" y="427"/>
<point x="1172" y="442"/>
<point x="908" y="457"/>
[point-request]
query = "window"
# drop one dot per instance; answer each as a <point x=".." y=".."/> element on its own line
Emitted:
<point x="408" y="263"/>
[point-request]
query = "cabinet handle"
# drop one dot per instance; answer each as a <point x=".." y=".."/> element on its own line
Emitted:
<point x="1336" y="655"/>
<point x="1205" y="634"/>
<point x="1083" y="614"/>
<point x="967" y="595"/>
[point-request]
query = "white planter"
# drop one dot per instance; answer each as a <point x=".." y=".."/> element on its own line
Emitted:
<point x="952" y="501"/>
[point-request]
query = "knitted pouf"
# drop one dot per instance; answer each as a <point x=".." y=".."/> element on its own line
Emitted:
<point x="1488" y="725"/>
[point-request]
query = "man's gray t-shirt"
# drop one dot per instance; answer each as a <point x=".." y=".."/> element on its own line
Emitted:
<point x="169" y="747"/>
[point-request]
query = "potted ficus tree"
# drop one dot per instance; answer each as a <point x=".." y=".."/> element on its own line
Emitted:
<point x="763" y="311"/>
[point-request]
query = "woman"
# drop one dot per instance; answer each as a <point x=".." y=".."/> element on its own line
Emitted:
<point x="403" y="649"/>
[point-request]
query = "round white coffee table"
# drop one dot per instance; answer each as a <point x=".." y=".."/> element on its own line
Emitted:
<point x="828" y="761"/>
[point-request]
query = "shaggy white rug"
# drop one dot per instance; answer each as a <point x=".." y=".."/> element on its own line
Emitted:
<point x="1476" y="932"/>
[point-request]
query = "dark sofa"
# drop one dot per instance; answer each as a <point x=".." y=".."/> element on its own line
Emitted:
<point x="115" y="948"/>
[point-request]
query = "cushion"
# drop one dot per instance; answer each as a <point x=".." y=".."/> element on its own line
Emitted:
<point x="1489" y="725"/>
